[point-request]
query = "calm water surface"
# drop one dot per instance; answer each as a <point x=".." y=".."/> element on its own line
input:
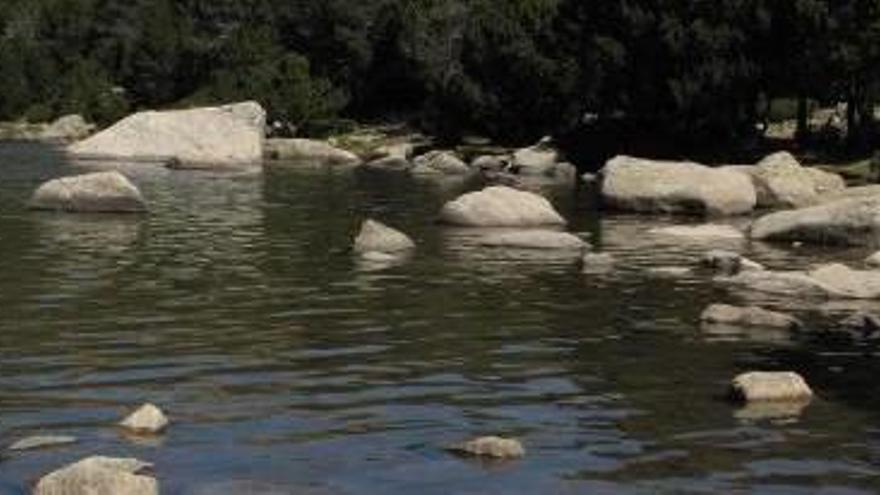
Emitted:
<point x="288" y="366"/>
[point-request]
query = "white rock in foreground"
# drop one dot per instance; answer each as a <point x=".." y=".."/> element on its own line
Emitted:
<point x="99" y="476"/>
<point x="647" y="186"/>
<point x="309" y="150"/>
<point x="535" y="239"/>
<point x="770" y="386"/>
<point x="750" y="316"/>
<point x="109" y="192"/>
<point x="708" y="231"/>
<point x="211" y="136"/>
<point x="494" y="447"/>
<point x="501" y="206"/>
<point x="42" y="441"/>
<point x="147" y="419"/>
<point x="375" y="237"/>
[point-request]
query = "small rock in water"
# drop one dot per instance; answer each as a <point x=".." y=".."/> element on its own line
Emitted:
<point x="708" y="231"/>
<point x="669" y="271"/>
<point x="494" y="447"/>
<point x="751" y="316"/>
<point x="147" y="419"/>
<point x="770" y="386"/>
<point x="874" y="260"/>
<point x="375" y="237"/>
<point x="41" y="441"/>
<point x="99" y="476"/>
<point x="535" y="239"/>
<point x="105" y="192"/>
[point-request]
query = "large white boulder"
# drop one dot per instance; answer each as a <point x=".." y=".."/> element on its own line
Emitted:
<point x="309" y="151"/>
<point x="375" y="237"/>
<point x="501" y="206"/>
<point x="228" y="135"/>
<point x="847" y="222"/>
<point x="99" y="476"/>
<point x="109" y="192"/>
<point x="648" y="186"/>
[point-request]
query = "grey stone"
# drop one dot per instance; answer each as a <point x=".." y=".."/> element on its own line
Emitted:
<point x="374" y="237"/>
<point x="41" y="441"/>
<point x="535" y="239"/>
<point x="147" y="419"/>
<point x="770" y="386"/>
<point x="750" y="316"/>
<point x="99" y="476"/>
<point x="501" y="206"/>
<point x="843" y="222"/>
<point x="311" y="151"/>
<point x="492" y="447"/>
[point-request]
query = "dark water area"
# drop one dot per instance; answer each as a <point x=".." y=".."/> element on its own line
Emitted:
<point x="289" y="366"/>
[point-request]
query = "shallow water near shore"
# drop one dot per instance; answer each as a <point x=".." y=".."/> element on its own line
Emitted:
<point x="288" y="366"/>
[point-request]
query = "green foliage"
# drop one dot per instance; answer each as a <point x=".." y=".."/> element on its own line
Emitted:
<point x="692" y="70"/>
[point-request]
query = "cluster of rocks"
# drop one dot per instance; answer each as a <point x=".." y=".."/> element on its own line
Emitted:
<point x="651" y="186"/>
<point x="99" y="475"/>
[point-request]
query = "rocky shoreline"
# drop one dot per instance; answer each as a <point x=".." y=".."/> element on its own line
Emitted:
<point x="791" y="203"/>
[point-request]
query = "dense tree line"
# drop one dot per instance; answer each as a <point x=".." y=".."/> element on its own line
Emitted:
<point x="686" y="70"/>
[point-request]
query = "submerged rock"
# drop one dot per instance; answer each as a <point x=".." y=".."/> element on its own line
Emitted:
<point x="375" y="237"/>
<point x="770" y="386"/>
<point x="597" y="262"/>
<point x="229" y="135"/>
<point x="535" y="239"/>
<point x="501" y="206"/>
<point x="100" y="476"/>
<point x="751" y="316"/>
<point x="843" y="222"/>
<point x="108" y="192"/>
<point x="41" y="441"/>
<point x="862" y="324"/>
<point x="389" y="163"/>
<point x="309" y="150"/>
<point x="493" y="447"/>
<point x="708" y="231"/>
<point x="147" y="419"/>
<point x="647" y="186"/>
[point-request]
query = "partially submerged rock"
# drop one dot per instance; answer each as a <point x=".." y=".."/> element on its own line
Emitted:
<point x="67" y="128"/>
<point x="230" y="135"/>
<point x="874" y="260"/>
<point x="490" y="163"/>
<point x="728" y="262"/>
<point x="844" y="222"/>
<point x="389" y="163"/>
<point x="750" y="316"/>
<point x="100" y="476"/>
<point x="535" y="239"/>
<point x="707" y="231"/>
<point x="770" y="386"/>
<point x="311" y="151"/>
<point x="492" y="447"/>
<point x="106" y="192"/>
<point x="832" y="280"/>
<point x="647" y="186"/>
<point x="148" y="419"/>
<point x="41" y="441"/>
<point x="375" y="237"/>
<point x="439" y="163"/>
<point x="861" y="323"/>
<point x="540" y="159"/>
<point x="501" y="206"/>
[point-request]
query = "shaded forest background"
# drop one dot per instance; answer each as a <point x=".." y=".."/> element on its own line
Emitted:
<point x="676" y="73"/>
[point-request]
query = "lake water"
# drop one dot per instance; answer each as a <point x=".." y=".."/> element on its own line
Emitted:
<point x="289" y="367"/>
